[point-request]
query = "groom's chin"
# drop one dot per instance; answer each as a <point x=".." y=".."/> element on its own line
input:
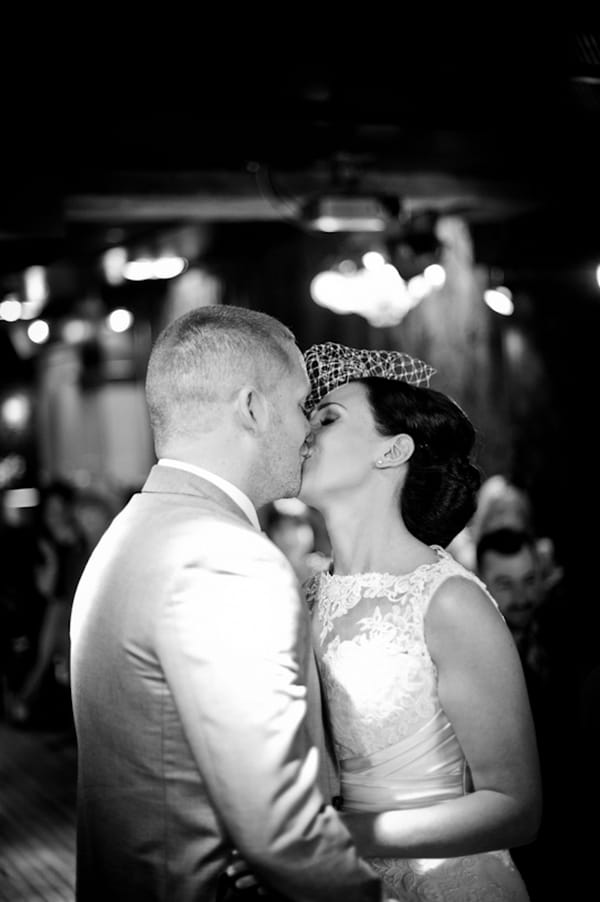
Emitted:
<point x="292" y="490"/>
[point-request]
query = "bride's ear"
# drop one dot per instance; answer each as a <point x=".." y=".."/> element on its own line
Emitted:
<point x="400" y="450"/>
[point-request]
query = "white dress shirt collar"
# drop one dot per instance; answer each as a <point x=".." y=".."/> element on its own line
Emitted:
<point x="240" y="498"/>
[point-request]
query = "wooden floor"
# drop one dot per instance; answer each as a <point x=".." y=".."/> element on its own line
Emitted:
<point x="37" y="815"/>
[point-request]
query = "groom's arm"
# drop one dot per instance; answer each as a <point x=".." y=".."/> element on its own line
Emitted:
<point x="232" y="641"/>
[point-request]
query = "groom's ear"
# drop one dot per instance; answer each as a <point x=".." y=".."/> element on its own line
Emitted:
<point x="398" y="452"/>
<point x="251" y="409"/>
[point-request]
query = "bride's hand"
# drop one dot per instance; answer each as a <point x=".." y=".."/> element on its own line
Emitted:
<point x="242" y="877"/>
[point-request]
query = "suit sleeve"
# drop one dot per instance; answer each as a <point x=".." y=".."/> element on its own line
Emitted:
<point x="233" y="643"/>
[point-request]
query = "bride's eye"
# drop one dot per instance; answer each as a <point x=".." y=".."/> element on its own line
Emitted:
<point x="321" y="418"/>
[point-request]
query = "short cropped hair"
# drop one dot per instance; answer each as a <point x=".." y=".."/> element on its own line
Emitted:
<point x="200" y="358"/>
<point x="505" y="541"/>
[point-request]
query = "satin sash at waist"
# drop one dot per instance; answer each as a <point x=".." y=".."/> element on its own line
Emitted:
<point x="424" y="769"/>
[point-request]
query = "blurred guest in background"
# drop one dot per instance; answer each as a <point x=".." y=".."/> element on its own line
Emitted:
<point x="510" y="565"/>
<point x="94" y="509"/>
<point x="501" y="504"/>
<point x="288" y="523"/>
<point x="61" y="550"/>
<point x="21" y="603"/>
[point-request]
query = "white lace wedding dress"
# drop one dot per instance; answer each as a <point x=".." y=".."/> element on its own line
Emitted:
<point x="395" y="745"/>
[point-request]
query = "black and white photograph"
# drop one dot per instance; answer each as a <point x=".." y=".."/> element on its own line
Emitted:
<point x="299" y="349"/>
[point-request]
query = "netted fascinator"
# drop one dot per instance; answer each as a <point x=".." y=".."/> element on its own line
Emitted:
<point x="330" y="365"/>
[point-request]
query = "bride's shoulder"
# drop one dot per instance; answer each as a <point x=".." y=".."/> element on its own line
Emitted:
<point x="456" y="593"/>
<point x="448" y="565"/>
<point x="449" y="582"/>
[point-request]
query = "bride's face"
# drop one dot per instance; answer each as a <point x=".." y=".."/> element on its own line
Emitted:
<point x="345" y="445"/>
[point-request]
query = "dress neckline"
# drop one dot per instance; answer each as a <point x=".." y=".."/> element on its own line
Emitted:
<point x="442" y="555"/>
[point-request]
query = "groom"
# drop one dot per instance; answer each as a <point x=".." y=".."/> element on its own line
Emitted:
<point x="195" y="694"/>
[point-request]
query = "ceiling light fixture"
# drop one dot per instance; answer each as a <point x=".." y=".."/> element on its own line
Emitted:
<point x="163" y="267"/>
<point x="347" y="214"/>
<point x="499" y="299"/>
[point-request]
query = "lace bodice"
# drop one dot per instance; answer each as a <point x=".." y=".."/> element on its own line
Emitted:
<point x="396" y="747"/>
<point x="379" y="679"/>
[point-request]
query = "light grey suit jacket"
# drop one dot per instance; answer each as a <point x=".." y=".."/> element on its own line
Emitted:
<point x="193" y="679"/>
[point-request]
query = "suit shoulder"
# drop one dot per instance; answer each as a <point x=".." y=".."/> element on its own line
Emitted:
<point x="234" y="545"/>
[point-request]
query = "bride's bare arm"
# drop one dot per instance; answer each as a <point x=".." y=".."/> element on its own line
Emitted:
<point x="482" y="691"/>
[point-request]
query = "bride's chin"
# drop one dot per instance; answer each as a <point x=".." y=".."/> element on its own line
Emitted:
<point x="304" y="496"/>
<point x="305" y="493"/>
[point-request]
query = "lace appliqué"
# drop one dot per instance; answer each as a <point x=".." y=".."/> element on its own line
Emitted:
<point x="378" y="676"/>
<point x="338" y="595"/>
<point x="489" y="877"/>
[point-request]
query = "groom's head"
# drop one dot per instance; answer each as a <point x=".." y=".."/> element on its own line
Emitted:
<point x="225" y="388"/>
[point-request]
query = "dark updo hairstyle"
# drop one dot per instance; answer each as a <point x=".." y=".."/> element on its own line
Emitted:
<point x="439" y="495"/>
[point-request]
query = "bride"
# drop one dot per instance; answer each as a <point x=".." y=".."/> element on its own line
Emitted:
<point x="423" y="683"/>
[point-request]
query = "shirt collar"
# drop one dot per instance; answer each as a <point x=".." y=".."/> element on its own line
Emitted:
<point x="240" y="498"/>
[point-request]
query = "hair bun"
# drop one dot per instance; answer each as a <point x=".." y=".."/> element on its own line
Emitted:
<point x="467" y="471"/>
